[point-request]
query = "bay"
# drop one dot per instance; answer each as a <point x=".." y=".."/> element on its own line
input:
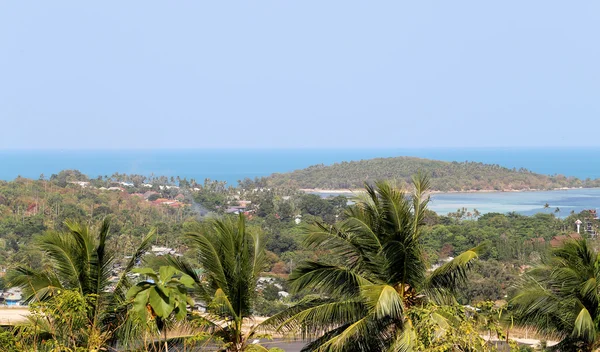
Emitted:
<point x="231" y="165"/>
<point x="526" y="203"/>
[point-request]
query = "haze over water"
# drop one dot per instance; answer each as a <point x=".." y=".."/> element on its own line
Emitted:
<point x="235" y="164"/>
<point x="232" y="165"/>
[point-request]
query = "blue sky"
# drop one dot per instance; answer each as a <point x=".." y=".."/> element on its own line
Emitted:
<point x="383" y="74"/>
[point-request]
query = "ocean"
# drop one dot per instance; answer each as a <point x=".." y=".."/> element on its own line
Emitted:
<point x="231" y="165"/>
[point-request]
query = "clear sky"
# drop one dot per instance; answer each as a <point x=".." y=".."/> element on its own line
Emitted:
<point x="380" y="74"/>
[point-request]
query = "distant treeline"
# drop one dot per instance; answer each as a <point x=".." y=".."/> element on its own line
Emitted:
<point x="445" y="176"/>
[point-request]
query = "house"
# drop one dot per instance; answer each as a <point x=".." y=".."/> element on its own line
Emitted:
<point x="167" y="187"/>
<point x="173" y="203"/>
<point x="13" y="297"/>
<point x="82" y="184"/>
<point x="235" y="209"/>
<point x="244" y="203"/>
<point x="557" y="241"/>
<point x="158" y="251"/>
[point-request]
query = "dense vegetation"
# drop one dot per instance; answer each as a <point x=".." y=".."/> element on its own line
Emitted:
<point x="445" y="176"/>
<point x="286" y="234"/>
<point x="374" y="278"/>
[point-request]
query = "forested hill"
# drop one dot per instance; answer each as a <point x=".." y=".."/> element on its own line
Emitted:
<point x="445" y="176"/>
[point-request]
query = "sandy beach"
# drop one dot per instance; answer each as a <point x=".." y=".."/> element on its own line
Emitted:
<point x="358" y="191"/>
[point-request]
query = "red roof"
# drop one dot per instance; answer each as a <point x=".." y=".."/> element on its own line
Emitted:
<point x="559" y="240"/>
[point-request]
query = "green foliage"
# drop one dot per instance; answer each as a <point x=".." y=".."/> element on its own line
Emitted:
<point x="232" y="258"/>
<point x="77" y="272"/>
<point x="162" y="298"/>
<point x="32" y="211"/>
<point x="372" y="277"/>
<point x="64" y="316"/>
<point x="562" y="296"/>
<point x="28" y="208"/>
<point x="445" y="176"/>
<point x="153" y="197"/>
<point x="488" y="280"/>
<point x="448" y="328"/>
<point x="266" y="308"/>
<point x="62" y="178"/>
<point x="212" y="195"/>
<point x="8" y="342"/>
<point x="165" y="294"/>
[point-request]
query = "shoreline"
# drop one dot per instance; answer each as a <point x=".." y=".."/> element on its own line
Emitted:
<point x="359" y="190"/>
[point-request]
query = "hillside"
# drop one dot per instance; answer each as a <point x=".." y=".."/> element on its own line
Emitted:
<point x="445" y="176"/>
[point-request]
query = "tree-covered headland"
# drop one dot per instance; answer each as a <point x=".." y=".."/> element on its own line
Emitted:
<point x="445" y="176"/>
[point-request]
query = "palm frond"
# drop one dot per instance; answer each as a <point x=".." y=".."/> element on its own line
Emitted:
<point x="383" y="301"/>
<point x="326" y="279"/>
<point x="454" y="273"/>
<point x="317" y="319"/>
<point x="405" y="340"/>
<point x="36" y="285"/>
<point x="210" y="259"/>
<point x="585" y="327"/>
<point x="124" y="283"/>
<point x="66" y="258"/>
<point x="222" y="305"/>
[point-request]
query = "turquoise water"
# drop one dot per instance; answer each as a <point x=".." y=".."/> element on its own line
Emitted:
<point x="232" y="165"/>
<point x="526" y="203"/>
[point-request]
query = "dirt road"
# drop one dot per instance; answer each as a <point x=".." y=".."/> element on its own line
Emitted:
<point x="13" y="315"/>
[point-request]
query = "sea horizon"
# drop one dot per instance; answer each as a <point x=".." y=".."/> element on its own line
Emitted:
<point x="233" y="164"/>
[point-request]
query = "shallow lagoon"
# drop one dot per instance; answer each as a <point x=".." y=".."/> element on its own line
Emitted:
<point x="526" y="203"/>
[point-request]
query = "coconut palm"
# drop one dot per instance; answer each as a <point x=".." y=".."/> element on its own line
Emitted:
<point x="373" y="276"/>
<point x="562" y="296"/>
<point x="232" y="258"/>
<point x="78" y="260"/>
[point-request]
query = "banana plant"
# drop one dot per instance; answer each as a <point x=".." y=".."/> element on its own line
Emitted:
<point x="162" y="297"/>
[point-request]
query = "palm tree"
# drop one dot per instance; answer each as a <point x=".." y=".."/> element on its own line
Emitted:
<point x="562" y="296"/>
<point x="546" y="206"/>
<point x="78" y="260"/>
<point x="373" y="276"/>
<point x="232" y="259"/>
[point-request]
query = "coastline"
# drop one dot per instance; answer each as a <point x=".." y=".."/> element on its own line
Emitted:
<point x="358" y="190"/>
